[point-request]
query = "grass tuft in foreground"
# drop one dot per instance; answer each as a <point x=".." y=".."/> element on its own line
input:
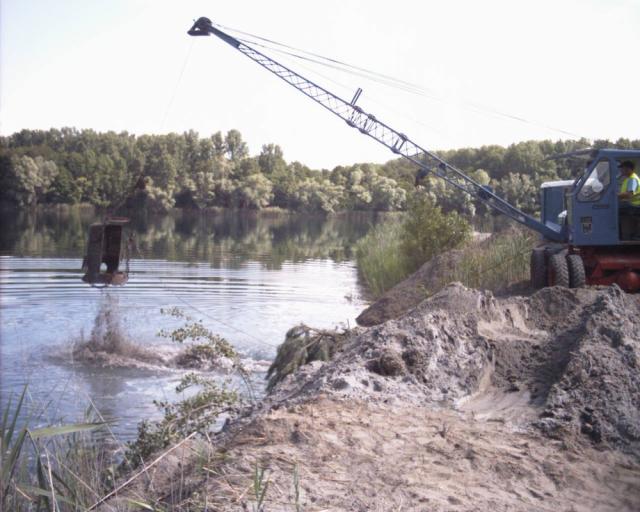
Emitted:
<point x="58" y="467"/>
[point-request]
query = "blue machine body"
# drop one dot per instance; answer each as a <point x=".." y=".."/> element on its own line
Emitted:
<point x="553" y="204"/>
<point x="587" y="211"/>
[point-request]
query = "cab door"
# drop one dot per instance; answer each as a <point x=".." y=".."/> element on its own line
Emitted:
<point x="594" y="214"/>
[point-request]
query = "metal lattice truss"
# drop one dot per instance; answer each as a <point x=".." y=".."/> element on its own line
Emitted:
<point x="367" y="124"/>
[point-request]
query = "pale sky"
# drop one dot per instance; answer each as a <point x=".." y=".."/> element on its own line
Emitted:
<point x="116" y="65"/>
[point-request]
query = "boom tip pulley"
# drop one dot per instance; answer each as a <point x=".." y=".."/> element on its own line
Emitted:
<point x="201" y="27"/>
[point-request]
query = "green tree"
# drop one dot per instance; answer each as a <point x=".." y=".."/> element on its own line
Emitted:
<point x="253" y="192"/>
<point x="318" y="195"/>
<point x="271" y="160"/>
<point x="28" y="179"/>
<point x="427" y="231"/>
<point x="236" y="148"/>
<point x="520" y="191"/>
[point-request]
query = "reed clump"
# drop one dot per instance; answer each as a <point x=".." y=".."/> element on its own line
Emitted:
<point x="380" y="262"/>
<point x="494" y="265"/>
<point x="59" y="467"/>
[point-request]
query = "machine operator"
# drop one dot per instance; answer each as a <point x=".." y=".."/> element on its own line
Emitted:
<point x="629" y="197"/>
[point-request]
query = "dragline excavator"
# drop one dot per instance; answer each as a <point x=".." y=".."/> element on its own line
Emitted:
<point x="588" y="238"/>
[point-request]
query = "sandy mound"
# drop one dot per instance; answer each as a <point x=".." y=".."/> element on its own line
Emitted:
<point x="360" y="456"/>
<point x="571" y="355"/>
<point x="428" y="279"/>
<point x="467" y="402"/>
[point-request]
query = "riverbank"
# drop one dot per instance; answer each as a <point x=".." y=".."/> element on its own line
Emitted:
<point x="467" y="402"/>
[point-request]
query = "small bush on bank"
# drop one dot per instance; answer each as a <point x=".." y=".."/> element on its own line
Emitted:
<point x="395" y="249"/>
<point x="207" y="397"/>
<point x="427" y="231"/>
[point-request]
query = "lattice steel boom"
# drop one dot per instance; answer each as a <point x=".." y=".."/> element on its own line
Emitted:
<point x="367" y="124"/>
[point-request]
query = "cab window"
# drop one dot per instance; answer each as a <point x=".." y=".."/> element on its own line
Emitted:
<point x="597" y="182"/>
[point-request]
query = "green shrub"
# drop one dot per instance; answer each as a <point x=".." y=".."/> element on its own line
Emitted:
<point x="196" y="413"/>
<point x="207" y="397"/>
<point x="427" y="232"/>
<point x="393" y="250"/>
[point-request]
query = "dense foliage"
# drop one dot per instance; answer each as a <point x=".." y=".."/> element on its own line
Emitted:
<point x="72" y="166"/>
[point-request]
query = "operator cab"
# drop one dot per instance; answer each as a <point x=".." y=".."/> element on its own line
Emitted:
<point x="593" y="215"/>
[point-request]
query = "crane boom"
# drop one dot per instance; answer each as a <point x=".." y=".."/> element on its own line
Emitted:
<point x="369" y="125"/>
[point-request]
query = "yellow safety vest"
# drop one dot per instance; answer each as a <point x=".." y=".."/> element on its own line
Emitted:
<point x="635" y="198"/>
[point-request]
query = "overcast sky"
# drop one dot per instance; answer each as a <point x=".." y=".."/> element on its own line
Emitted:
<point x="571" y="65"/>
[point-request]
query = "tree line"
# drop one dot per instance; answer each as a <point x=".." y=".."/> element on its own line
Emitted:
<point x="71" y="166"/>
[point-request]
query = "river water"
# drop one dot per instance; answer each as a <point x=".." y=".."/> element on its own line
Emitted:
<point x="248" y="277"/>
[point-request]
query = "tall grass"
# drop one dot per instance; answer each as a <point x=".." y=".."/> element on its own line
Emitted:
<point x="496" y="264"/>
<point x="380" y="261"/>
<point x="58" y="467"/>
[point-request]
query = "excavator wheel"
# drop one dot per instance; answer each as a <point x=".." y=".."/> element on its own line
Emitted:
<point x="558" y="270"/>
<point x="538" y="269"/>
<point x="577" y="274"/>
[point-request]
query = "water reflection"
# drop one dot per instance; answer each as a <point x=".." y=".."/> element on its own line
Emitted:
<point x="224" y="238"/>
<point x="248" y="276"/>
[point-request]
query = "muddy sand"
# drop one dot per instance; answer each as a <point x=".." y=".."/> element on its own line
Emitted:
<point x="465" y="402"/>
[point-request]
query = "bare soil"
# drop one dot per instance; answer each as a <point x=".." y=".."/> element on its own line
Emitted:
<point x="465" y="402"/>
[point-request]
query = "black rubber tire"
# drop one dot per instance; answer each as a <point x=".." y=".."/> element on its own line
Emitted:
<point x="538" y="269"/>
<point x="577" y="274"/>
<point x="558" y="270"/>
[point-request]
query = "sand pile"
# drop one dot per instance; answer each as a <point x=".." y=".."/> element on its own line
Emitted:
<point x="567" y="358"/>
<point x="466" y="402"/>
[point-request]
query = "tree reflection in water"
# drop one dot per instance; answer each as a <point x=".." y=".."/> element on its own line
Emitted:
<point x="225" y="238"/>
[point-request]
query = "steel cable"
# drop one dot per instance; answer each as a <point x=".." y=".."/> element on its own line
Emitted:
<point x="387" y="80"/>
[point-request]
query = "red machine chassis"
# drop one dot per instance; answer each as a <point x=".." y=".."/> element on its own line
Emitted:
<point x="608" y="265"/>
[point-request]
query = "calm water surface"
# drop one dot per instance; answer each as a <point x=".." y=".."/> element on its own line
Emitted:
<point x="248" y="277"/>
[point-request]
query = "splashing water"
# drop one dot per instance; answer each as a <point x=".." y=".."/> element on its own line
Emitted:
<point x="108" y="343"/>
